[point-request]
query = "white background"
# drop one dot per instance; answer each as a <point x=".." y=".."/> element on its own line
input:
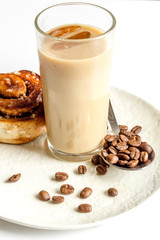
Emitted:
<point x="136" y="68"/>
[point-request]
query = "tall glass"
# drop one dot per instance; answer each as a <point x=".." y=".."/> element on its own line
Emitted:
<point x="75" y="77"/>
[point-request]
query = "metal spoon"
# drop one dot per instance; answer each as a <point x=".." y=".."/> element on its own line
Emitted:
<point x="114" y="125"/>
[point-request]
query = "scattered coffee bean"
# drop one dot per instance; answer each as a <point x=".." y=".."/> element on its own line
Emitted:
<point x="112" y="158"/>
<point x="101" y="170"/>
<point x="143" y="157"/>
<point x="95" y="159"/>
<point x="61" y="176"/>
<point x="44" y="196"/>
<point x="67" y="189"/>
<point x="84" y="208"/>
<point x="15" y="178"/>
<point x="57" y="199"/>
<point x="112" y="192"/>
<point x="82" y="169"/>
<point x="86" y="192"/>
<point x="137" y="129"/>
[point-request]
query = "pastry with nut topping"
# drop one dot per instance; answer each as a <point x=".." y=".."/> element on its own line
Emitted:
<point x="21" y="107"/>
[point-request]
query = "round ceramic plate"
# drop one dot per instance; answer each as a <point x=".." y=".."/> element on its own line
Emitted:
<point x="19" y="203"/>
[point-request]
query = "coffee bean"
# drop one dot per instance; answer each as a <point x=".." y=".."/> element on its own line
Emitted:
<point x="82" y="169"/>
<point x="84" y="208"/>
<point x="112" y="158"/>
<point x="126" y="133"/>
<point x="110" y="138"/>
<point x="102" y="162"/>
<point x="57" y="199"/>
<point x="61" y="176"/>
<point x="104" y="153"/>
<point x="121" y="146"/>
<point x="132" y="163"/>
<point x="95" y="159"/>
<point x="67" y="189"/>
<point x="152" y="156"/>
<point x="121" y="143"/>
<point x="136" y="130"/>
<point x="105" y="145"/>
<point x="135" y="153"/>
<point x="122" y="162"/>
<point x="123" y="138"/>
<point x="123" y="156"/>
<point x="101" y="170"/>
<point x="145" y="147"/>
<point x="123" y="127"/>
<point x="114" y="142"/>
<point x="112" y="192"/>
<point x="135" y="141"/>
<point x="125" y="151"/>
<point x="14" y="178"/>
<point x="86" y="192"/>
<point x="111" y="149"/>
<point x="143" y="157"/>
<point x="44" y="196"/>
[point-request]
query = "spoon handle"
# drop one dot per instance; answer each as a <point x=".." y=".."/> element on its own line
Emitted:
<point x="112" y="119"/>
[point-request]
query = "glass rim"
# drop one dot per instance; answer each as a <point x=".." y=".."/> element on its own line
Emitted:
<point x="73" y="40"/>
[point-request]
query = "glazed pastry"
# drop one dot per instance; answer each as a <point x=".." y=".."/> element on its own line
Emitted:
<point x="21" y="107"/>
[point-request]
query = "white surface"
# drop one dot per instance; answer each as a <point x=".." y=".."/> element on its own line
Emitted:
<point x="38" y="168"/>
<point x="135" y="68"/>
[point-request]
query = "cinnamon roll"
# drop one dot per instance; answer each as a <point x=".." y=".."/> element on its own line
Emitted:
<point x="21" y="107"/>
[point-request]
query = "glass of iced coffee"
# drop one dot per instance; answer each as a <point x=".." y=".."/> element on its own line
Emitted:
<point x="75" y="52"/>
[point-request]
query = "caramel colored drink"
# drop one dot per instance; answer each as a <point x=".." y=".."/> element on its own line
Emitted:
<point x="75" y="64"/>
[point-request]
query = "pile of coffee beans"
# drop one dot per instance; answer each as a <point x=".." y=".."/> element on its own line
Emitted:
<point x="126" y="149"/>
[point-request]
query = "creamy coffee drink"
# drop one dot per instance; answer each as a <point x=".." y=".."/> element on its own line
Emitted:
<point x="75" y="79"/>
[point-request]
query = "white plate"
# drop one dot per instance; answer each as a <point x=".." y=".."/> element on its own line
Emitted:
<point x="19" y="203"/>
